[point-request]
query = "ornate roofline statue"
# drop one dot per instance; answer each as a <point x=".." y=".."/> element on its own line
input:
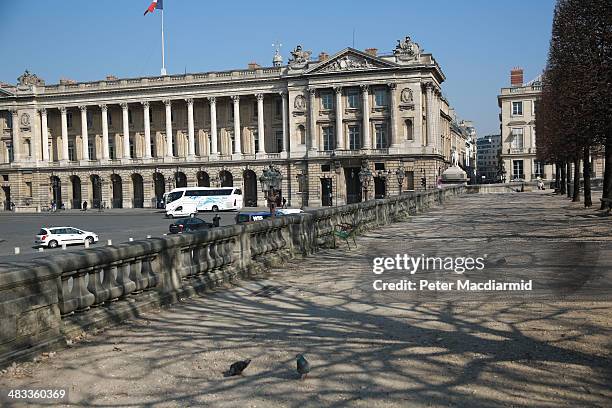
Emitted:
<point x="407" y="50"/>
<point x="28" y="78"/>
<point x="299" y="58"/>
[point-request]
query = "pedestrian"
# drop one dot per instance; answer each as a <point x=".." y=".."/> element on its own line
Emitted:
<point x="12" y="204"/>
<point x="216" y="220"/>
<point x="84" y="205"/>
<point x="284" y="202"/>
<point x="53" y="206"/>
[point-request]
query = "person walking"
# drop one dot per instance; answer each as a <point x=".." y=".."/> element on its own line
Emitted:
<point x="216" y="220"/>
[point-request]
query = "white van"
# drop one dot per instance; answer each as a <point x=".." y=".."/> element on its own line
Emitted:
<point x="184" y="201"/>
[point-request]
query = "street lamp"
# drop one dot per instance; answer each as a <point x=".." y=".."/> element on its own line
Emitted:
<point x="365" y="177"/>
<point x="400" y="173"/>
<point x="270" y="181"/>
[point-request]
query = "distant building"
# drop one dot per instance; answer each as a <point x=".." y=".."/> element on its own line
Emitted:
<point x="518" y="104"/>
<point x="489" y="150"/>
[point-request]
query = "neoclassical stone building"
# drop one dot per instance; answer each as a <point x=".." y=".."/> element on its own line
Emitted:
<point x="124" y="142"/>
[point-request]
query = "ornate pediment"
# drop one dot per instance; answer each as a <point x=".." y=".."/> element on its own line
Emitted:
<point x="351" y="60"/>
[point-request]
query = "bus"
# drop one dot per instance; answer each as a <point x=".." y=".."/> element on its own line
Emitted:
<point x="184" y="201"/>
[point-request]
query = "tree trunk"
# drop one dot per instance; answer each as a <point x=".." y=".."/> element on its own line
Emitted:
<point x="607" y="181"/>
<point x="586" y="171"/>
<point x="568" y="165"/>
<point x="557" y="178"/>
<point x="563" y="175"/>
<point x="576" y="192"/>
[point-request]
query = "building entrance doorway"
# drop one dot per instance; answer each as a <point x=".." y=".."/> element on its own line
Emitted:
<point x="250" y="188"/>
<point x="353" y="185"/>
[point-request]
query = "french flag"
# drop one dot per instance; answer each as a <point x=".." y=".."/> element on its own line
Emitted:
<point x="155" y="4"/>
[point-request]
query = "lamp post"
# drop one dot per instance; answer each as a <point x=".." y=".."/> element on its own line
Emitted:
<point x="270" y="181"/>
<point x="400" y="173"/>
<point x="365" y="177"/>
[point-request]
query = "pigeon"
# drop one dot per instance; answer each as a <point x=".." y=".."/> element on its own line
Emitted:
<point x="238" y="367"/>
<point x="303" y="366"/>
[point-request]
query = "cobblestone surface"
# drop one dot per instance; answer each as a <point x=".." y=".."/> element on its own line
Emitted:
<point x="372" y="349"/>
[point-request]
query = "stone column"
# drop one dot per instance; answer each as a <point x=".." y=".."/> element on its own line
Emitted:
<point x="395" y="142"/>
<point x="147" y="129"/>
<point x="260" y="125"/>
<point x="84" y="135"/>
<point x="44" y="134"/>
<point x="284" y="97"/>
<point x="430" y="114"/>
<point x="365" y="107"/>
<point x="105" y="148"/>
<point x="63" y="112"/>
<point x="190" y="130"/>
<point x="169" y="152"/>
<point x="213" y="125"/>
<point x="339" y="127"/>
<point x="314" y="144"/>
<point x="126" y="131"/>
<point x="15" y="135"/>
<point x="237" y="141"/>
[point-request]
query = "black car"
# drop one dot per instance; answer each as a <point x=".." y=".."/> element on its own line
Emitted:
<point x="188" y="225"/>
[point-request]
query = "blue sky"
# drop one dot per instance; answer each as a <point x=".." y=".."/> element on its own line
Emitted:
<point x="476" y="42"/>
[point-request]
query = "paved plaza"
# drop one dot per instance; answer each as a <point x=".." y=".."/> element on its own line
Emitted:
<point x="546" y="348"/>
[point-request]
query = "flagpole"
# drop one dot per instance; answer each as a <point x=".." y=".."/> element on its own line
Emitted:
<point x="163" y="70"/>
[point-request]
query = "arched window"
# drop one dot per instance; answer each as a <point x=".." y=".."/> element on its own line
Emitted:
<point x="409" y="130"/>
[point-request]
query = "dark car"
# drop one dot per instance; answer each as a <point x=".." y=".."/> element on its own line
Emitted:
<point x="251" y="216"/>
<point x="189" y="225"/>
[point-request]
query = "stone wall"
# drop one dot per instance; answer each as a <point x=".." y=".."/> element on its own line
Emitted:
<point x="45" y="301"/>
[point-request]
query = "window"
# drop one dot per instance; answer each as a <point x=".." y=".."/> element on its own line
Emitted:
<point x="256" y="140"/>
<point x="91" y="149"/>
<point x="110" y="118"/>
<point x="9" y="152"/>
<point x="111" y="148"/>
<point x="517" y="108"/>
<point x="255" y="109"/>
<point x="380" y="97"/>
<point x="533" y="108"/>
<point x="538" y="168"/>
<point x="517" y="169"/>
<point x="328" y="138"/>
<point x="278" y="107"/>
<point x="9" y="120"/>
<point x="409" y="129"/>
<point x="151" y="116"/>
<point x="71" y="152"/>
<point x="353" y="98"/>
<point x="327" y="100"/>
<point x="89" y="118"/>
<point x="69" y="119"/>
<point x="354" y="138"/>
<point x="132" y="149"/>
<point x="153" y="152"/>
<point x="130" y="119"/>
<point x="517" y="139"/>
<point x="410" y="180"/>
<point x="279" y="141"/>
<point x="302" y="134"/>
<point x="381" y="136"/>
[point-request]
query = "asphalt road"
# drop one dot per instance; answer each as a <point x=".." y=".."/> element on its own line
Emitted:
<point x="18" y="230"/>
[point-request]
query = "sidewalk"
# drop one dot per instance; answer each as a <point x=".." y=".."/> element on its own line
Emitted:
<point x="369" y="349"/>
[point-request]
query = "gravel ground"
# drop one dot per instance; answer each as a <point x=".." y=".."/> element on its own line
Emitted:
<point x="550" y="348"/>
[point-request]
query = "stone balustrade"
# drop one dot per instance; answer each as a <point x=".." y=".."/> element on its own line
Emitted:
<point x="42" y="302"/>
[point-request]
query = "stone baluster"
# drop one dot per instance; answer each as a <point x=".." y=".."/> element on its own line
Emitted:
<point x="110" y="281"/>
<point x="95" y="286"/>
<point x="123" y="279"/>
<point x="67" y="303"/>
<point x="83" y="297"/>
<point x="137" y="277"/>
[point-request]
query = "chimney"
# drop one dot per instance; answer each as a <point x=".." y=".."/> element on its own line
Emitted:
<point x="516" y="76"/>
<point x="111" y="78"/>
<point x="371" y="51"/>
<point x="323" y="56"/>
<point x="253" y="65"/>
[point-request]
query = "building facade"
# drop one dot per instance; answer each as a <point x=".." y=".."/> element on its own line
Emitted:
<point x="122" y="143"/>
<point x="489" y="150"/>
<point x="517" y="127"/>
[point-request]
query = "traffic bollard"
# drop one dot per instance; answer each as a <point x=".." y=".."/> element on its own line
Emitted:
<point x="17" y="250"/>
<point x="109" y="242"/>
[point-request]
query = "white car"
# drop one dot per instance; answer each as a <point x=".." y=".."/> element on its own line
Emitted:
<point x="52" y="237"/>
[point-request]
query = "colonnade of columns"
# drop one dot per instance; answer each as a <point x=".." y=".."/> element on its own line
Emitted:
<point x="169" y="151"/>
